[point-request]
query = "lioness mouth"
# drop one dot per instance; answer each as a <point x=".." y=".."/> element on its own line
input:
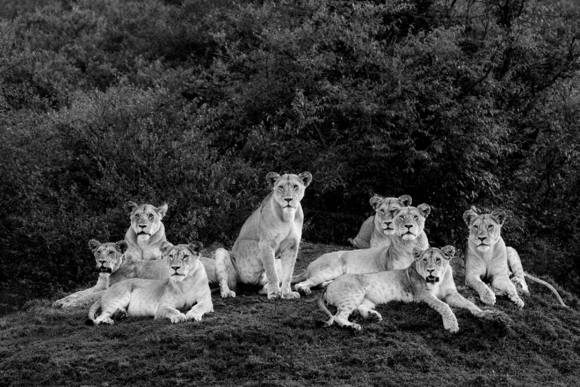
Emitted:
<point x="432" y="279"/>
<point x="104" y="269"/>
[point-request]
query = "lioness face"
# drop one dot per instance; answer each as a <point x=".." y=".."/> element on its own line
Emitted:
<point x="108" y="255"/>
<point x="288" y="189"/>
<point x="409" y="221"/>
<point x="146" y="219"/>
<point x="181" y="259"/>
<point x="484" y="230"/>
<point x="383" y="217"/>
<point x="432" y="263"/>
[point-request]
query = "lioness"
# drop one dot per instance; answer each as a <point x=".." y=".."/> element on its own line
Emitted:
<point x="187" y="289"/>
<point x="377" y="229"/>
<point x="275" y="228"/>
<point x="428" y="279"/>
<point x="488" y="259"/>
<point x="409" y="223"/>
<point x="146" y="233"/>
<point x="108" y="257"/>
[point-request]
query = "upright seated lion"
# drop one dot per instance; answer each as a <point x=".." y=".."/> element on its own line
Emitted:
<point x="488" y="259"/>
<point x="377" y="230"/>
<point x="186" y="290"/>
<point x="146" y="232"/>
<point x="274" y="229"/>
<point x="108" y="257"/>
<point x="409" y="223"/>
<point x="428" y="279"/>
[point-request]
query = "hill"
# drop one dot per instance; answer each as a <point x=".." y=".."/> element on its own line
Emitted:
<point x="251" y="341"/>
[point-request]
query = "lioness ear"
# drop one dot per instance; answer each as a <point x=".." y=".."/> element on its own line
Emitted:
<point x="122" y="246"/>
<point x="162" y="210"/>
<point x="272" y="178"/>
<point x="469" y="216"/>
<point x="405" y="200"/>
<point x="424" y="209"/>
<point x="165" y="247"/>
<point x="94" y="244"/>
<point x="417" y="252"/>
<point x="448" y="252"/>
<point x="130" y="207"/>
<point x="306" y="178"/>
<point x="195" y="247"/>
<point x="376" y="201"/>
<point x="499" y="216"/>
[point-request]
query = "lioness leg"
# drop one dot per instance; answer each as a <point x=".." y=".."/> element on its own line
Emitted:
<point x="449" y="319"/>
<point x="226" y="273"/>
<point x="366" y="309"/>
<point x="347" y="297"/>
<point x="456" y="300"/>
<point x="503" y="284"/>
<point x="204" y="305"/>
<point x="515" y="265"/>
<point x="326" y="273"/>
<point x="268" y="261"/>
<point x="83" y="299"/>
<point x="289" y="252"/>
<point x="485" y="293"/>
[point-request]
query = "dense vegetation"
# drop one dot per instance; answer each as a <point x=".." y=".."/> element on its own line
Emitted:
<point x="454" y="102"/>
<point x="252" y="342"/>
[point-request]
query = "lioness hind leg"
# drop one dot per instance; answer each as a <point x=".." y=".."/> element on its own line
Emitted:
<point x="324" y="275"/>
<point x="366" y="309"/>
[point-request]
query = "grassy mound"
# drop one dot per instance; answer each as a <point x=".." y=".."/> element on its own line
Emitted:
<point x="251" y="341"/>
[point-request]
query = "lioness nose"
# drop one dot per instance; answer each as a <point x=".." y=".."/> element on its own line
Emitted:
<point x="288" y="199"/>
<point x="175" y="267"/>
<point x="142" y="225"/>
<point x="481" y="238"/>
<point x="409" y="226"/>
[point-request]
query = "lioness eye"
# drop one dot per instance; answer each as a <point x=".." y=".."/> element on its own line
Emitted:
<point x="110" y="253"/>
<point x="425" y="261"/>
<point x="415" y="217"/>
<point x="475" y="227"/>
<point x="490" y="227"/>
<point x="401" y="217"/>
<point x="382" y="211"/>
<point x="150" y="216"/>
<point x="281" y="188"/>
<point x="438" y="260"/>
<point x="295" y="187"/>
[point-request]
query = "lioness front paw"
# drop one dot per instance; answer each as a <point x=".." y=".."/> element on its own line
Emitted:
<point x="195" y="317"/>
<point x="451" y="326"/>
<point x="105" y="320"/>
<point x="488" y="297"/>
<point x="177" y="318"/>
<point x="302" y="289"/>
<point x="518" y="301"/>
<point x="274" y="295"/>
<point x="290" y="295"/>
<point x="374" y="316"/>
<point x="228" y="294"/>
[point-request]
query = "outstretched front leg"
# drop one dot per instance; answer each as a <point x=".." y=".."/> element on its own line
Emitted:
<point x="456" y="300"/>
<point x="486" y="295"/>
<point x="268" y="260"/>
<point x="449" y="319"/>
<point x="204" y="305"/>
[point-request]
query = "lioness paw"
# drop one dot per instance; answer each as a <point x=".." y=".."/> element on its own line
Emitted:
<point x="302" y="289"/>
<point x="228" y="294"/>
<point x="274" y="295"/>
<point x="177" y="318"/>
<point x="195" y="317"/>
<point x="488" y="298"/>
<point x="518" y="301"/>
<point x="105" y="320"/>
<point x="291" y="295"/>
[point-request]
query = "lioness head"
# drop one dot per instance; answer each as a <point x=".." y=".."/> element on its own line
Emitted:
<point x="383" y="217"/>
<point x="145" y="218"/>
<point x="108" y="255"/>
<point x="432" y="263"/>
<point x="485" y="229"/>
<point x="288" y="189"/>
<point x="181" y="259"/>
<point x="409" y="221"/>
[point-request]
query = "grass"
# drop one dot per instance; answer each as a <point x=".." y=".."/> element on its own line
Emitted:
<point x="251" y="341"/>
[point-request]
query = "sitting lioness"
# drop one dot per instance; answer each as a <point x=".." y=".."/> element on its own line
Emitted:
<point x="146" y="233"/>
<point x="186" y="289"/>
<point x="377" y="229"/>
<point x="275" y="228"/>
<point x="108" y="257"/>
<point x="428" y="279"/>
<point x="488" y="259"/>
<point x="409" y="223"/>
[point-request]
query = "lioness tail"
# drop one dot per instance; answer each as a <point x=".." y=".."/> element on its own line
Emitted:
<point x="300" y="277"/>
<point x="537" y="280"/>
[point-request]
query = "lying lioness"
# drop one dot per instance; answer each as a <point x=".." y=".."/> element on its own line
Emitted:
<point x="429" y="279"/>
<point x="186" y="289"/>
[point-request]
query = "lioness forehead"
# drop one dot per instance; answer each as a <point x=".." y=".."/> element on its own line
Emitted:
<point x="484" y="218"/>
<point x="144" y="208"/>
<point x="107" y="246"/>
<point x="432" y="252"/>
<point x="405" y="211"/>
<point x="288" y="178"/>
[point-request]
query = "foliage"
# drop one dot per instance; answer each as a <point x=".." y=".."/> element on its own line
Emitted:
<point x="456" y="103"/>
